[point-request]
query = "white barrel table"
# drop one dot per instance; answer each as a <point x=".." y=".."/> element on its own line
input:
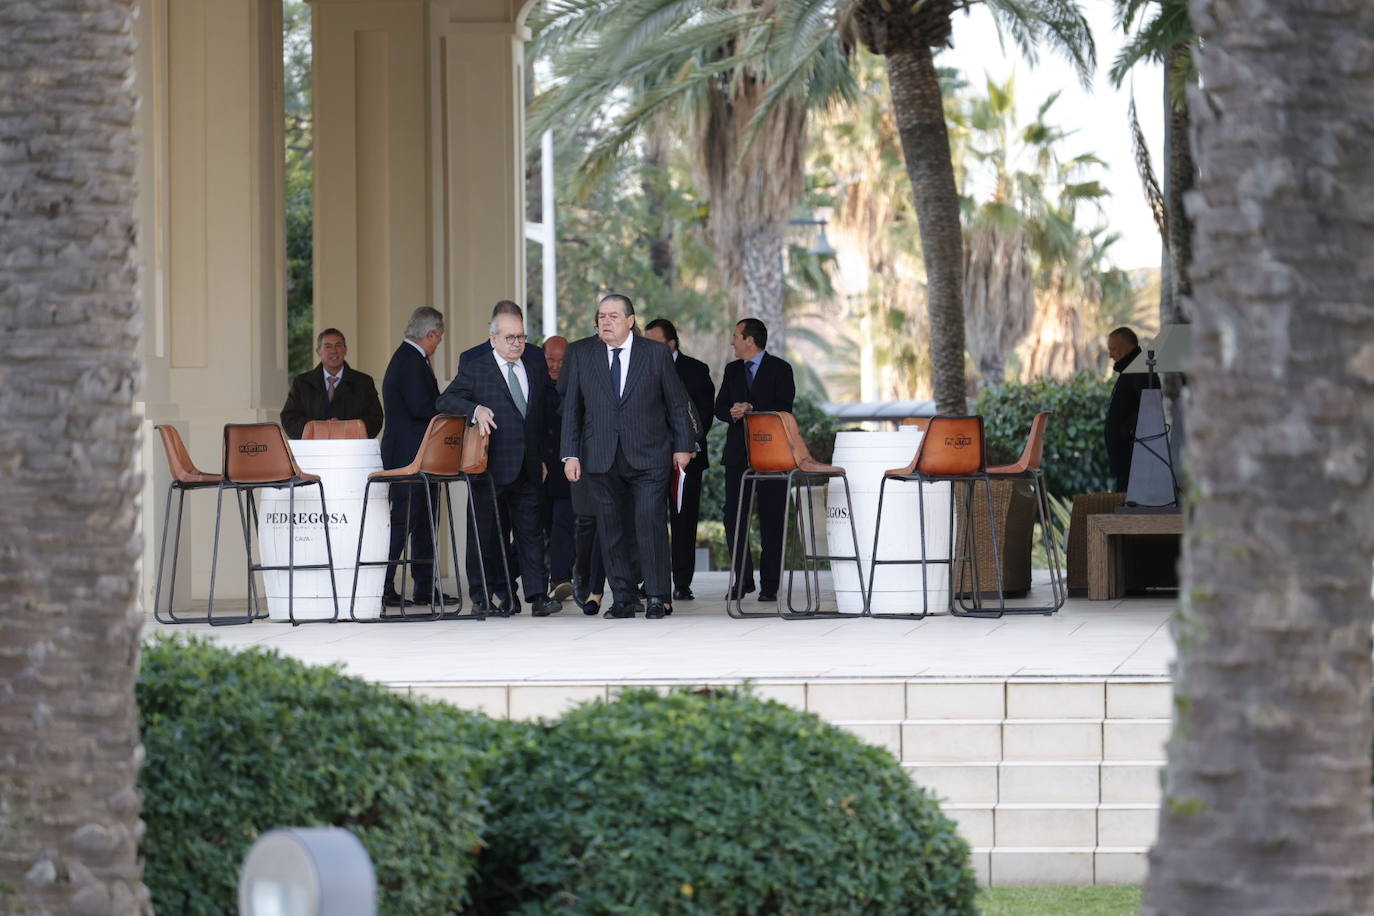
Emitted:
<point x="343" y="466"/>
<point x="896" y="589"/>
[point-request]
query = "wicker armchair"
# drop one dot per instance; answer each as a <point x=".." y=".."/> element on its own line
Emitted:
<point x="1013" y="507"/>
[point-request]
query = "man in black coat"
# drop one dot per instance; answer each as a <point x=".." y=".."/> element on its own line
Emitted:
<point x="409" y="390"/>
<point x="504" y="394"/>
<point x="1119" y="429"/>
<point x="333" y="390"/>
<point x="559" y="518"/>
<point x="626" y="426"/>
<point x="696" y="378"/>
<point x="757" y="380"/>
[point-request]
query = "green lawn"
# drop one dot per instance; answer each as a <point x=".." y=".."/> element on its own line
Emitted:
<point x="1059" y="901"/>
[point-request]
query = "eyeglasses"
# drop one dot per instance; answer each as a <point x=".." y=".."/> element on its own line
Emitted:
<point x="512" y="339"/>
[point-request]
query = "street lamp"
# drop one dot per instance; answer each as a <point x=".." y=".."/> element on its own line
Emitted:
<point x="821" y="248"/>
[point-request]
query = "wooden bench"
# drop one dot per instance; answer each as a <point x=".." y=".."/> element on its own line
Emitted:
<point x="1105" y="579"/>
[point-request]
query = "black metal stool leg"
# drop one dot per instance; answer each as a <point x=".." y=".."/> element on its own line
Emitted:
<point x="358" y="557"/>
<point x="161" y="556"/>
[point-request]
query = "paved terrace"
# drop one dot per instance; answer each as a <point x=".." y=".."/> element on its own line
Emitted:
<point x="699" y="643"/>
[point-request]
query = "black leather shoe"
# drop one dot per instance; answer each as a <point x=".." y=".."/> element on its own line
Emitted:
<point x="391" y="599"/>
<point x="591" y="607"/>
<point x="683" y="594"/>
<point x="768" y="597"/>
<point x="656" y="609"/>
<point x="543" y="606"/>
<point x="735" y="594"/>
<point x="440" y="599"/>
<point x="622" y="610"/>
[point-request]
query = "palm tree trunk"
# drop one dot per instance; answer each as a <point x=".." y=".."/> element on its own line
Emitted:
<point x="1267" y="793"/>
<point x="654" y="183"/>
<point x="69" y="618"/>
<point x="1179" y="178"/>
<point x="761" y="294"/>
<point x="920" y="113"/>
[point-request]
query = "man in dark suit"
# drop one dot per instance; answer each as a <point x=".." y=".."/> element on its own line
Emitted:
<point x="757" y="380"/>
<point x="501" y="591"/>
<point x="626" y="427"/>
<point x="409" y="390"/>
<point x="333" y="390"/>
<point x="559" y="518"/>
<point x="504" y="395"/>
<point x="696" y="378"/>
<point x="1124" y="408"/>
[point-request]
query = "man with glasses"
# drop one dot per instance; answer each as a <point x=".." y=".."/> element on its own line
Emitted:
<point x="505" y="396"/>
<point x="626" y="429"/>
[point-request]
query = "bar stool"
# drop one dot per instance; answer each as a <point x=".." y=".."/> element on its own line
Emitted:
<point x="778" y="452"/>
<point x="185" y="477"/>
<point x="257" y="456"/>
<point x="335" y="429"/>
<point x="446" y="454"/>
<point x="1027" y="468"/>
<point x="952" y="451"/>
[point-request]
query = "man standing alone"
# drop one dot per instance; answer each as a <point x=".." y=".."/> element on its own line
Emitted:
<point x="757" y="380"/>
<point x="333" y="390"/>
<point x="409" y="390"/>
<point x="696" y="378"/>
<point x="626" y="427"/>
<point x="1124" y="409"/>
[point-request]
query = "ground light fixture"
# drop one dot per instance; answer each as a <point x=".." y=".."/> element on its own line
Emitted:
<point x="307" y="871"/>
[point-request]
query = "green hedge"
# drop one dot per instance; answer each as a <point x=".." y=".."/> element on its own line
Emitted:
<point x="1075" y="458"/>
<point x="712" y="803"/>
<point x="239" y="743"/>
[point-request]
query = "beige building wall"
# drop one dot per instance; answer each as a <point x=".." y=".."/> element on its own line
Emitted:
<point x="419" y="200"/>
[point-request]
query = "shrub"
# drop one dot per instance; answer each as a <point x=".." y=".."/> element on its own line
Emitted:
<point x="712" y="803"/>
<point x="239" y="743"/>
<point x="1075" y="455"/>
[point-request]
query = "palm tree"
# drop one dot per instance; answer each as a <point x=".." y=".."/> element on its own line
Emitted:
<point x="69" y="617"/>
<point x="710" y="64"/>
<point x="1166" y="37"/>
<point x="1267" y="792"/>
<point x="906" y="34"/>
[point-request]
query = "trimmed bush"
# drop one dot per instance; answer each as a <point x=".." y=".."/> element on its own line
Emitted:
<point x="1075" y="454"/>
<point x="239" y="743"/>
<point x="712" y="803"/>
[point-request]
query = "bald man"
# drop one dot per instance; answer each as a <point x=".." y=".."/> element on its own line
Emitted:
<point x="559" y="518"/>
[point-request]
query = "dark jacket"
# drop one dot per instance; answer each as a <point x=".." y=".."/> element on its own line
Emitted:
<point x="696" y="378"/>
<point x="649" y="422"/>
<point x="1119" y="428"/>
<point x="354" y="399"/>
<point x="773" y="389"/>
<point x="409" y="390"/>
<point x="517" y="441"/>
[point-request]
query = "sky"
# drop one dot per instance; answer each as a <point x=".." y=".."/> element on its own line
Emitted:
<point x="1098" y="116"/>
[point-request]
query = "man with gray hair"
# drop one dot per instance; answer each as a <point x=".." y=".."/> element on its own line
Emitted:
<point x="409" y="390"/>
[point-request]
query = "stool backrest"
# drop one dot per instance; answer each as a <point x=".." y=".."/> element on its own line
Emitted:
<point x="475" y="447"/>
<point x="441" y="450"/>
<point x="178" y="459"/>
<point x="765" y="434"/>
<point x="335" y="429"/>
<point x="952" y="447"/>
<point x="257" y="453"/>
<point x="918" y="422"/>
<point x="1034" y="451"/>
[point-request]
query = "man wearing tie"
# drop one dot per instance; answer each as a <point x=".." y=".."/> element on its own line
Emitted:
<point x="505" y="395"/>
<point x="696" y="378"/>
<point x="409" y="390"/>
<point x="626" y="427"/>
<point x="757" y="380"/>
<point x="333" y="390"/>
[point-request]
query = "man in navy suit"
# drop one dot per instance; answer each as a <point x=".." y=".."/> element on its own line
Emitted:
<point x="409" y="390"/>
<point x="757" y="380"/>
<point x="696" y="378"/>
<point x="626" y="427"/>
<point x="504" y="394"/>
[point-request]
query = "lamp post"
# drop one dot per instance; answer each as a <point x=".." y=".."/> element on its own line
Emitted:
<point x="300" y="871"/>
<point x="821" y="248"/>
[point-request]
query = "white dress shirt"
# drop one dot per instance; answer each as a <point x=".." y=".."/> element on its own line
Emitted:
<point x="502" y="363"/>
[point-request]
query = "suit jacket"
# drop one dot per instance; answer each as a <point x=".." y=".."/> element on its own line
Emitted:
<point x="696" y="378"/>
<point x="1122" y="412"/>
<point x="773" y="390"/>
<point x="354" y="399"/>
<point x="409" y="390"/>
<point x="649" y="422"/>
<point x="517" y="441"/>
